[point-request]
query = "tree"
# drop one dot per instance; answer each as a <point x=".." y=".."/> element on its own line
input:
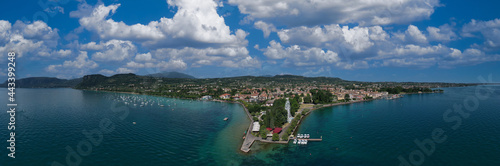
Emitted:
<point x="321" y="96"/>
<point x="233" y="91"/>
<point x="263" y="133"/>
<point x="347" y="97"/>
<point x="285" y="137"/>
<point x="254" y="108"/>
<point x="307" y="99"/>
<point x="276" y="137"/>
<point x="255" y="119"/>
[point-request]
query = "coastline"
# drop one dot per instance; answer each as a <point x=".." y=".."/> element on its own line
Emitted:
<point x="246" y="150"/>
<point x="249" y="139"/>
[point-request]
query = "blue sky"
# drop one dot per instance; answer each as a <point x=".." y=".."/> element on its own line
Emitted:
<point x="383" y="40"/>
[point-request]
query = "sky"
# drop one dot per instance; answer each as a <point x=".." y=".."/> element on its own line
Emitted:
<point x="362" y="40"/>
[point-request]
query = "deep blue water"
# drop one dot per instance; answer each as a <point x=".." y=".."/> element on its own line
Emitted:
<point x="185" y="132"/>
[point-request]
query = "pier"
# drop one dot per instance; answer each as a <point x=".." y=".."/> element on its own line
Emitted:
<point x="314" y="139"/>
<point x="308" y="139"/>
<point x="249" y="138"/>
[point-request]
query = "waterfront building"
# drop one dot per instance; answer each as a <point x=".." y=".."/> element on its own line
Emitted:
<point x="207" y="97"/>
<point x="256" y="127"/>
<point x="225" y="96"/>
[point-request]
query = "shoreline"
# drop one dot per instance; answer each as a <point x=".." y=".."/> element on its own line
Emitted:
<point x="250" y="139"/>
<point x="246" y="147"/>
<point x="311" y="110"/>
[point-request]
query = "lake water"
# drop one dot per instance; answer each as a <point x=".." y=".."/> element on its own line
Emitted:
<point x="50" y="126"/>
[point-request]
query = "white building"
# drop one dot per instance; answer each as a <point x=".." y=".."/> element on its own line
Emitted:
<point x="256" y="127"/>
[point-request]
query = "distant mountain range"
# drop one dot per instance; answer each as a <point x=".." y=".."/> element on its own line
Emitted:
<point x="45" y="82"/>
<point x="52" y="82"/>
<point x="171" y="75"/>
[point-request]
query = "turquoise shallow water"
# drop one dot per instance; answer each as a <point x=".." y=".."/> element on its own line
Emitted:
<point x="193" y="133"/>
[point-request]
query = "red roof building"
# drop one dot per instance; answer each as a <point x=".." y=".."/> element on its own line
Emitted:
<point x="225" y="96"/>
<point x="277" y="130"/>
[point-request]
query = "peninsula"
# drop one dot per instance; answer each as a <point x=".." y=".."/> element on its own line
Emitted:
<point x="264" y="98"/>
<point x="274" y="104"/>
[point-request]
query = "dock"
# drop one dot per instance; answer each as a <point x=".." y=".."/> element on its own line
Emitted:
<point x="312" y="139"/>
<point x="249" y="140"/>
<point x="309" y="139"/>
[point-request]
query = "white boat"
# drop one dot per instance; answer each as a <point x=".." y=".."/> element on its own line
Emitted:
<point x="295" y="141"/>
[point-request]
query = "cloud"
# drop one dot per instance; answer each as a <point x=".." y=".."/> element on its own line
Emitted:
<point x="469" y="57"/>
<point x="295" y="56"/>
<point x="39" y="31"/>
<point x="84" y="9"/>
<point x="310" y="13"/>
<point x="56" y="53"/>
<point x="196" y="24"/>
<point x="122" y="70"/>
<point x="113" y="50"/>
<point x="357" y="37"/>
<point x="144" y="57"/>
<point x="443" y="34"/>
<point x="414" y="35"/>
<point x="107" y="72"/>
<point x="411" y="56"/>
<point x="5" y="28"/>
<point x="78" y="67"/>
<point x="364" y="47"/>
<point x="196" y="36"/>
<point x="197" y="57"/>
<point x="359" y="42"/>
<point x="35" y="39"/>
<point x="171" y="65"/>
<point x="490" y="30"/>
<point x="266" y="28"/>
<point x="421" y="62"/>
<point x="248" y="62"/>
<point x="333" y="37"/>
<point x="22" y="46"/>
<point x="415" y="50"/>
<point x="54" y="10"/>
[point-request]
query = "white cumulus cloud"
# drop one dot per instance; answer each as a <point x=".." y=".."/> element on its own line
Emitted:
<point x="265" y="27"/>
<point x="71" y="68"/>
<point x="490" y="30"/>
<point x="196" y="24"/>
<point x="317" y="12"/>
<point x="113" y="50"/>
<point x="295" y="56"/>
